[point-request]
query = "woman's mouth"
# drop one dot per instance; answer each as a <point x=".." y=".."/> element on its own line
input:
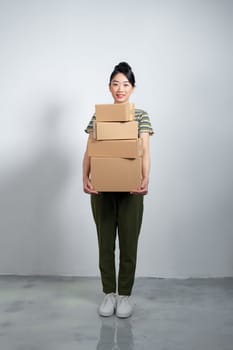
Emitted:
<point x="120" y="96"/>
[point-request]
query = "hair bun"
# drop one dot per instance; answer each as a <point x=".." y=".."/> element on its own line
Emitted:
<point x="123" y="65"/>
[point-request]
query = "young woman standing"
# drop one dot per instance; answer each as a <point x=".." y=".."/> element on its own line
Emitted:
<point x="119" y="212"/>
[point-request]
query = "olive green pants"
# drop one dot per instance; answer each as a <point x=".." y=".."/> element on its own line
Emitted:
<point x="117" y="213"/>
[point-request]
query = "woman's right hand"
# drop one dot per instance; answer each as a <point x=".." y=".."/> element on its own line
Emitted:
<point x="87" y="187"/>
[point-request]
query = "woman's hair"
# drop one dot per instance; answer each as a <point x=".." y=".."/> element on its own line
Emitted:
<point x="124" y="68"/>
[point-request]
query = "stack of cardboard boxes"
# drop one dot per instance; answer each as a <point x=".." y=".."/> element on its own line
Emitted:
<point x="116" y="150"/>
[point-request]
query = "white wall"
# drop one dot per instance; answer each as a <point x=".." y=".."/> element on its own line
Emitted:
<point x="55" y="62"/>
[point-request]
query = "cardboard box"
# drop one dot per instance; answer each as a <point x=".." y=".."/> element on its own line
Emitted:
<point x="118" y="112"/>
<point x="115" y="130"/>
<point x="116" y="174"/>
<point x="115" y="148"/>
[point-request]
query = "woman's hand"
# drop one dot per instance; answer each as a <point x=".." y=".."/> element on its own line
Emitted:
<point x="143" y="189"/>
<point x="87" y="186"/>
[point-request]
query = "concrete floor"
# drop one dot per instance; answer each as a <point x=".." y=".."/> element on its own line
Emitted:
<point x="40" y="313"/>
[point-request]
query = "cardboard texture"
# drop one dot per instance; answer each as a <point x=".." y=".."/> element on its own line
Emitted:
<point x="116" y="174"/>
<point x="121" y="112"/>
<point x="116" y="130"/>
<point x="115" y="148"/>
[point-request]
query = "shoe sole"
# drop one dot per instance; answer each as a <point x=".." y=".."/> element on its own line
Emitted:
<point x="124" y="315"/>
<point x="105" y="314"/>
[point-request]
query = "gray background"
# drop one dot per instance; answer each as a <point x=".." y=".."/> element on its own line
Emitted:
<point x="55" y="62"/>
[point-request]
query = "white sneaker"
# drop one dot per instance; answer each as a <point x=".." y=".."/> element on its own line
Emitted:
<point x="124" y="307"/>
<point x="108" y="305"/>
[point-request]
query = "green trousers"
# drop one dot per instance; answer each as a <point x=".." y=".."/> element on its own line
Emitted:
<point x="117" y="213"/>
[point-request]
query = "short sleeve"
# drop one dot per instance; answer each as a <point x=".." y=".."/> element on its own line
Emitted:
<point x="89" y="127"/>
<point x="144" y="123"/>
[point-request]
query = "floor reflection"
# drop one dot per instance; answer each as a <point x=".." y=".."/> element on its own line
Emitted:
<point x="115" y="334"/>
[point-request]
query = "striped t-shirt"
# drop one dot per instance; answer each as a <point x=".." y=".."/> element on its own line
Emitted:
<point x="144" y="124"/>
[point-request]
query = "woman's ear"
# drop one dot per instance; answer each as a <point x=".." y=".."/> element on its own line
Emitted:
<point x="133" y="89"/>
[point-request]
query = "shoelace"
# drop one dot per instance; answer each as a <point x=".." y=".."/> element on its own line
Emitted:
<point x="123" y="297"/>
<point x="107" y="297"/>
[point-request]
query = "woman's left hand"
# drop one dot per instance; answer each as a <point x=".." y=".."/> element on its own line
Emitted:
<point x="143" y="188"/>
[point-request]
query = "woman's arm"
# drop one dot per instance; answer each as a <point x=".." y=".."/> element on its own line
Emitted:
<point x="145" y="164"/>
<point x="87" y="186"/>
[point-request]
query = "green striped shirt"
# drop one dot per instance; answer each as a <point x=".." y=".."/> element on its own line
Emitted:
<point x="144" y="124"/>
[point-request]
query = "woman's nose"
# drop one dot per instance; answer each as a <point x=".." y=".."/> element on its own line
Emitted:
<point x="120" y="87"/>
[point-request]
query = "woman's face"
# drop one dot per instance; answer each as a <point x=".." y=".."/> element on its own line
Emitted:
<point x="120" y="88"/>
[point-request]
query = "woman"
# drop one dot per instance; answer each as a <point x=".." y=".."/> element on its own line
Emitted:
<point x="119" y="212"/>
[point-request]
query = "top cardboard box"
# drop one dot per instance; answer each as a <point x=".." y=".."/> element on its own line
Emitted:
<point x="118" y="112"/>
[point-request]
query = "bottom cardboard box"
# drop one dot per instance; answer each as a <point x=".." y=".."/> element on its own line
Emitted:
<point x="116" y="174"/>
